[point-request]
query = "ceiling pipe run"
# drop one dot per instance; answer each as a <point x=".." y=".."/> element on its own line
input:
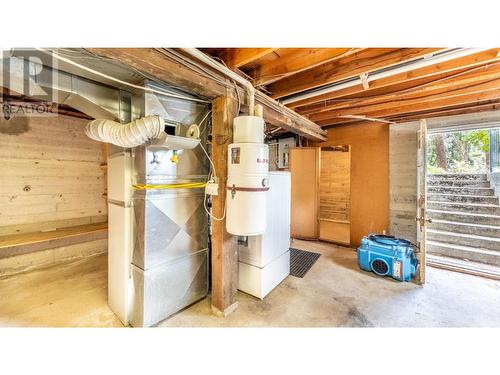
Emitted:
<point x="228" y="73"/>
<point x="366" y="78"/>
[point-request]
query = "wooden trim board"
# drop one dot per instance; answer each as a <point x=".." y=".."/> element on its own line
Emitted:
<point x="18" y="244"/>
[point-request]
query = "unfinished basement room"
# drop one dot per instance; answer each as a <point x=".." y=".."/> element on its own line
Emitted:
<point x="250" y="187"/>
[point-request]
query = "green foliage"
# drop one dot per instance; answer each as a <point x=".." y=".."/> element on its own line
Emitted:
<point x="479" y="139"/>
<point x="431" y="169"/>
<point x="465" y="152"/>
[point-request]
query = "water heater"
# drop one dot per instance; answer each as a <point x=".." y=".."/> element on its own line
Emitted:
<point x="247" y="182"/>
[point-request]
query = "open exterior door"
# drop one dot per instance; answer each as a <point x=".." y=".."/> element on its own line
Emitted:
<point x="421" y="199"/>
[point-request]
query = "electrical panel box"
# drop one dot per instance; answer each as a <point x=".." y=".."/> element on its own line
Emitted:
<point x="283" y="147"/>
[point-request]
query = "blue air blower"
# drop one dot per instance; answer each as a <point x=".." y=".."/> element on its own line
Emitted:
<point x="388" y="256"/>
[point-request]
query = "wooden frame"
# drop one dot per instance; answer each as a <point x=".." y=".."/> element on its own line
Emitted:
<point x="336" y="229"/>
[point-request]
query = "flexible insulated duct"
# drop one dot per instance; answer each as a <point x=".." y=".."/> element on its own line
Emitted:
<point x="133" y="134"/>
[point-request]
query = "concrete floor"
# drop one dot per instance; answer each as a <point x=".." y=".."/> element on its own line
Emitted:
<point x="334" y="293"/>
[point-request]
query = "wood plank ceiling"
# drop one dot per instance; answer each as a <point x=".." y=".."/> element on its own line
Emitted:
<point x="464" y="83"/>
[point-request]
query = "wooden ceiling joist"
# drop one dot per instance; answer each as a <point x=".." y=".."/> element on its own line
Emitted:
<point x="387" y="110"/>
<point x="449" y="85"/>
<point x="295" y="60"/>
<point x="361" y="62"/>
<point x="157" y="64"/>
<point x="236" y="57"/>
<point x="488" y="105"/>
<point x="427" y="72"/>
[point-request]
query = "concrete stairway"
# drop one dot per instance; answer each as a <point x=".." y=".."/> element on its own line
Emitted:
<point x="465" y="215"/>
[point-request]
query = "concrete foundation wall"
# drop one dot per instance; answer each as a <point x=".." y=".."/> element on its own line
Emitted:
<point x="403" y="180"/>
<point x="50" y="257"/>
<point x="403" y="166"/>
<point x="51" y="175"/>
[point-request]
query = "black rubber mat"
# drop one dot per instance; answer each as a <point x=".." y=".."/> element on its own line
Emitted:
<point x="301" y="261"/>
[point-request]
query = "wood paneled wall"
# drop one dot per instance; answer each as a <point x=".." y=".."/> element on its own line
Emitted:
<point x="335" y="185"/>
<point x="369" y="175"/>
<point x="52" y="175"/>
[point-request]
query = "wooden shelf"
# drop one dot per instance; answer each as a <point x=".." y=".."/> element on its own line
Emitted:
<point x="18" y="244"/>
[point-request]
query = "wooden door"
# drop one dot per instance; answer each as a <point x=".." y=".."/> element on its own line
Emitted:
<point x="421" y="198"/>
<point x="304" y="164"/>
<point x="335" y="195"/>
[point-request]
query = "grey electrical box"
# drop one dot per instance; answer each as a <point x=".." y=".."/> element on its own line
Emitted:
<point x="283" y="151"/>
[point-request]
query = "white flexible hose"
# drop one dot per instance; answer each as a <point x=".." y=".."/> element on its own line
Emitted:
<point x="133" y="134"/>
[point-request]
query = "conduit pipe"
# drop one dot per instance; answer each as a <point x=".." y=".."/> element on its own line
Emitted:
<point x="228" y="73"/>
<point x="133" y="134"/>
<point x="368" y="77"/>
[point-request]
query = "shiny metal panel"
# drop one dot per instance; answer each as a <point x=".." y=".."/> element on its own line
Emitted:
<point x="170" y="252"/>
<point x="170" y="224"/>
<point x="154" y="166"/>
<point x="162" y="291"/>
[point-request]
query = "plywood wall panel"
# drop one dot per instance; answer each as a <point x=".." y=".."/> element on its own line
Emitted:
<point x="304" y="170"/>
<point x="369" y="175"/>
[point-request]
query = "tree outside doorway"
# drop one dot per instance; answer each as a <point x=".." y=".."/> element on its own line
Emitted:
<point x="459" y="152"/>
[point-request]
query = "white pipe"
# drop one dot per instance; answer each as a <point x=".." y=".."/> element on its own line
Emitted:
<point x="147" y="89"/>
<point x="227" y="72"/>
<point x="133" y="134"/>
<point x="390" y="72"/>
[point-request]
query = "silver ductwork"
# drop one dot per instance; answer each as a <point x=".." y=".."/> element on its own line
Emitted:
<point x="158" y="249"/>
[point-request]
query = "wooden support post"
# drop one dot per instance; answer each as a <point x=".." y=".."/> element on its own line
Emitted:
<point x="224" y="245"/>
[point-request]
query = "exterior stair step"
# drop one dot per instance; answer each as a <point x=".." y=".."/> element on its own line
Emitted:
<point x="464" y="266"/>
<point x="458" y="183"/>
<point x="467" y="190"/>
<point x="489" y="209"/>
<point x="466" y="228"/>
<point x="463" y="239"/>
<point x="464" y="217"/>
<point x="459" y="176"/>
<point x="464" y="252"/>
<point x="462" y="198"/>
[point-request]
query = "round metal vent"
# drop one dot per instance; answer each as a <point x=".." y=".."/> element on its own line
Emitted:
<point x="380" y="267"/>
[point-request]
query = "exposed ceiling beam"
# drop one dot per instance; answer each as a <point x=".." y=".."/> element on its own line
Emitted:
<point x="449" y="85"/>
<point x="295" y="60"/>
<point x="361" y="62"/>
<point x="236" y="57"/>
<point x="407" y="79"/>
<point x="388" y="110"/>
<point x="161" y="67"/>
<point x="489" y="105"/>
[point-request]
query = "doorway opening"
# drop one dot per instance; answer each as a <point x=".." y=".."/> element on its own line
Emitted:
<point x="462" y="188"/>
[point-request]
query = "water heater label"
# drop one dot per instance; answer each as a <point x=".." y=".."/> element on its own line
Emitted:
<point x="235" y="155"/>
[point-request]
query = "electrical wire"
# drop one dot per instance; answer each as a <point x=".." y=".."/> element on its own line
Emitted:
<point x="203" y="120"/>
<point x="234" y="82"/>
<point x="186" y="185"/>
<point x="212" y="170"/>
<point x="147" y="89"/>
